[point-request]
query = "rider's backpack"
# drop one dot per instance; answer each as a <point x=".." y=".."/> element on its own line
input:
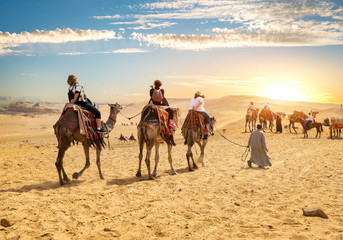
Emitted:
<point x="157" y="96"/>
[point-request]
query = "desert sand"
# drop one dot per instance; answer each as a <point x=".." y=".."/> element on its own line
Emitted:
<point x="223" y="200"/>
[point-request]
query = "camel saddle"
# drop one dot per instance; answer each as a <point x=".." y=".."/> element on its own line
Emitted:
<point x="74" y="116"/>
<point x="194" y="120"/>
<point x="154" y="116"/>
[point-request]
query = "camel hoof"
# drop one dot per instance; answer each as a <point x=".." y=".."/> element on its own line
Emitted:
<point x="76" y="175"/>
<point x="66" y="179"/>
<point x="174" y="173"/>
<point x="138" y="174"/>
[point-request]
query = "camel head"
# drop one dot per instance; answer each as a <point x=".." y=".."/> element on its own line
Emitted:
<point x="115" y="108"/>
<point x="212" y="121"/>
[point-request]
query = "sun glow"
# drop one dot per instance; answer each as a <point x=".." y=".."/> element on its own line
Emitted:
<point x="283" y="91"/>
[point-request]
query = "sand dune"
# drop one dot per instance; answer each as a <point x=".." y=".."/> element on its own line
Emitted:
<point x="223" y="200"/>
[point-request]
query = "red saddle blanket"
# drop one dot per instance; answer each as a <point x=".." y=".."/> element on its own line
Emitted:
<point x="194" y="121"/>
<point x="74" y="117"/>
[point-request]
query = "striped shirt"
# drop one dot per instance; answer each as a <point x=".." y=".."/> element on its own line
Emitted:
<point x="77" y="88"/>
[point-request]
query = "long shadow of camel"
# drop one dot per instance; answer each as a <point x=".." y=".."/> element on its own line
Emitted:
<point x="134" y="179"/>
<point x="42" y="186"/>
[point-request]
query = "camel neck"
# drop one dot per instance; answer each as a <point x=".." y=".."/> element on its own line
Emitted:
<point x="111" y="121"/>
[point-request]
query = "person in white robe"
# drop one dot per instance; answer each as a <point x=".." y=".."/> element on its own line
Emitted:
<point x="259" y="150"/>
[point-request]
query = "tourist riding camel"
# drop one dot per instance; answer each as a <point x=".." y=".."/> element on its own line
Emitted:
<point x="157" y="98"/>
<point x="251" y="106"/>
<point x="197" y="104"/>
<point x="76" y="95"/>
<point x="309" y="121"/>
<point x="159" y="108"/>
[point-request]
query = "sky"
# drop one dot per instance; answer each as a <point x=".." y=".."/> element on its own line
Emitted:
<point x="291" y="50"/>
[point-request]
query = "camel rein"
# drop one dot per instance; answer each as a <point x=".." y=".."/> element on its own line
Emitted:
<point x="247" y="150"/>
<point x="129" y="118"/>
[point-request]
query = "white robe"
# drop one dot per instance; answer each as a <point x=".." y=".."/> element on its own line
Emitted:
<point x="259" y="155"/>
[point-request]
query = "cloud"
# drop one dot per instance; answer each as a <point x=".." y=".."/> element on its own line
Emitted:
<point x="240" y="23"/>
<point x="123" y="50"/>
<point x="199" y="81"/>
<point x="127" y="50"/>
<point x="107" y="17"/>
<point x="233" y="38"/>
<point x="13" y="40"/>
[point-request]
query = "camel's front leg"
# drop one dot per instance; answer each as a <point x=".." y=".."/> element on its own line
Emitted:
<point x="140" y="157"/>
<point x="170" y="159"/>
<point x="157" y="158"/>
<point x="98" y="163"/>
<point x="149" y="146"/>
<point x="59" y="165"/>
<point x="86" y="150"/>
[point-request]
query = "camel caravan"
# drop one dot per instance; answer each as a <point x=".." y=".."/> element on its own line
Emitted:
<point x="267" y="116"/>
<point x="80" y="121"/>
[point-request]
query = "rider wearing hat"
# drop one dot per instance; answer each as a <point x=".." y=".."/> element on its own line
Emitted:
<point x="197" y="104"/>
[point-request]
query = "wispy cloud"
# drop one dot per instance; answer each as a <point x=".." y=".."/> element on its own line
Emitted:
<point x="240" y="23"/>
<point x="8" y="41"/>
<point x="200" y="81"/>
<point x="123" y="50"/>
<point x="108" y="17"/>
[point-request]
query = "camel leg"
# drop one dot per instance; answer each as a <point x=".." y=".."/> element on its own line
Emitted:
<point x="59" y="163"/>
<point x="245" y="126"/>
<point x="157" y="158"/>
<point x="140" y="157"/>
<point x="149" y="146"/>
<point x="188" y="155"/>
<point x="294" y="127"/>
<point x="98" y="163"/>
<point x="202" y="152"/>
<point x="171" y="160"/>
<point x="86" y="150"/>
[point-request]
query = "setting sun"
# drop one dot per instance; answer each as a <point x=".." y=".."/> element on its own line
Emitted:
<point x="283" y="91"/>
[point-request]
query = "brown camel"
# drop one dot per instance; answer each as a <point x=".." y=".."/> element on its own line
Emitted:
<point x="316" y="125"/>
<point x="267" y="116"/>
<point x="250" y="119"/>
<point x="295" y="117"/>
<point x="65" y="136"/>
<point x="151" y="137"/>
<point x="192" y="137"/>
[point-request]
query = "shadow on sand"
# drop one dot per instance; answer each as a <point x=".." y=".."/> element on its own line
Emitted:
<point x="134" y="179"/>
<point x="42" y="186"/>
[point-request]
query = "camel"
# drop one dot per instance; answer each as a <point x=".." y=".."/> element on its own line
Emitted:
<point x="65" y="136"/>
<point x="122" y="139"/>
<point x="192" y="137"/>
<point x="316" y="125"/>
<point x="295" y="117"/>
<point x="132" y="138"/>
<point x="151" y="137"/>
<point x="250" y="119"/>
<point x="267" y="116"/>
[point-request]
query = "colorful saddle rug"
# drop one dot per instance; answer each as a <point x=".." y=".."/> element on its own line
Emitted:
<point x="194" y="121"/>
<point x="74" y="117"/>
<point x="154" y="116"/>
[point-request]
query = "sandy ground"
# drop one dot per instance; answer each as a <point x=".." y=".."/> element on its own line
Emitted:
<point x="223" y="200"/>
